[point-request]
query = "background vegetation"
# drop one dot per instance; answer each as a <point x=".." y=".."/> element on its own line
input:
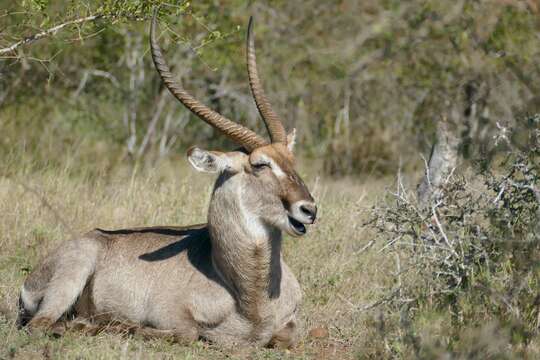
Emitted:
<point x="86" y="127"/>
<point x="363" y="81"/>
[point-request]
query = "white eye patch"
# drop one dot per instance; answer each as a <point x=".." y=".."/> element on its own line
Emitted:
<point x="275" y="167"/>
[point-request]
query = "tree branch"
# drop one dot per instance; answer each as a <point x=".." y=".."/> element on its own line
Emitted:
<point x="442" y="162"/>
<point x="30" y="39"/>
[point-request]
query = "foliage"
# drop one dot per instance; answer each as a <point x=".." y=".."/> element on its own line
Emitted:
<point x="475" y="252"/>
<point x="362" y="81"/>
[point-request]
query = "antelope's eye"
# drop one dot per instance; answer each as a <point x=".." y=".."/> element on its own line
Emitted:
<point x="260" y="166"/>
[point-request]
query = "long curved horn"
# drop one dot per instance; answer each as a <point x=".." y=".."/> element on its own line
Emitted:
<point x="238" y="133"/>
<point x="271" y="119"/>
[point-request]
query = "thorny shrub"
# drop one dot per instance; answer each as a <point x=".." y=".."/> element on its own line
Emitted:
<point x="471" y="255"/>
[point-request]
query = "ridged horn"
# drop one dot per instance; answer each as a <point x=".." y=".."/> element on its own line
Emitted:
<point x="238" y="133"/>
<point x="272" y="121"/>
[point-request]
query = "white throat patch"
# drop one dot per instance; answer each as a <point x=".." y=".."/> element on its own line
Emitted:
<point x="251" y="221"/>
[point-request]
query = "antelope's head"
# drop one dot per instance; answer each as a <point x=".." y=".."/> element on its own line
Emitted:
<point x="271" y="189"/>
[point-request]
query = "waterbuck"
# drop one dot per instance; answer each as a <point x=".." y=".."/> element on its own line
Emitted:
<point x="224" y="281"/>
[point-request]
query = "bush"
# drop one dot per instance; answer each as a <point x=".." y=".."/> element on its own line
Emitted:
<point x="471" y="256"/>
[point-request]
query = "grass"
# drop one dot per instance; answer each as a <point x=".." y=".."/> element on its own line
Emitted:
<point x="40" y="209"/>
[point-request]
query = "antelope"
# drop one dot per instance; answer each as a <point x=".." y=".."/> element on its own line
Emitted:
<point x="224" y="281"/>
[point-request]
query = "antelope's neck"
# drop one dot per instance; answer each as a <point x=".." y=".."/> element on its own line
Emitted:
<point x="245" y="252"/>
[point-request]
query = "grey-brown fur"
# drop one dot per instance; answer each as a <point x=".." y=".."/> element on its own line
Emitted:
<point x="225" y="281"/>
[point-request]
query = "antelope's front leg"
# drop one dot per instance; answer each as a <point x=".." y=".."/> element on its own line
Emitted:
<point x="287" y="336"/>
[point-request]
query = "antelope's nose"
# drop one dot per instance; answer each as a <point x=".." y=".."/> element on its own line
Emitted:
<point x="305" y="211"/>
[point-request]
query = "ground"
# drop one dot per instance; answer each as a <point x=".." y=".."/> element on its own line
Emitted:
<point x="339" y="275"/>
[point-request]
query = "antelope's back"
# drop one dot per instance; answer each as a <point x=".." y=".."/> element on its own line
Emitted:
<point x="144" y="272"/>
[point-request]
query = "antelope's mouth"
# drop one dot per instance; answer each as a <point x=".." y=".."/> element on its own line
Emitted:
<point x="296" y="227"/>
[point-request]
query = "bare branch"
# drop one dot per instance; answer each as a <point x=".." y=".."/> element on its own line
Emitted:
<point x="152" y="125"/>
<point x="32" y="38"/>
<point x="436" y="218"/>
<point x="94" y="72"/>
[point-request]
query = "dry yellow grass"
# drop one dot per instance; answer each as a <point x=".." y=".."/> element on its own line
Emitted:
<point x="338" y="276"/>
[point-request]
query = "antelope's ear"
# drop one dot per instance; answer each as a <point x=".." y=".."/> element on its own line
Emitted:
<point x="209" y="161"/>
<point x="291" y="140"/>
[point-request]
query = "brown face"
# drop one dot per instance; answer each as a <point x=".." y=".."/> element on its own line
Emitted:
<point x="273" y="166"/>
